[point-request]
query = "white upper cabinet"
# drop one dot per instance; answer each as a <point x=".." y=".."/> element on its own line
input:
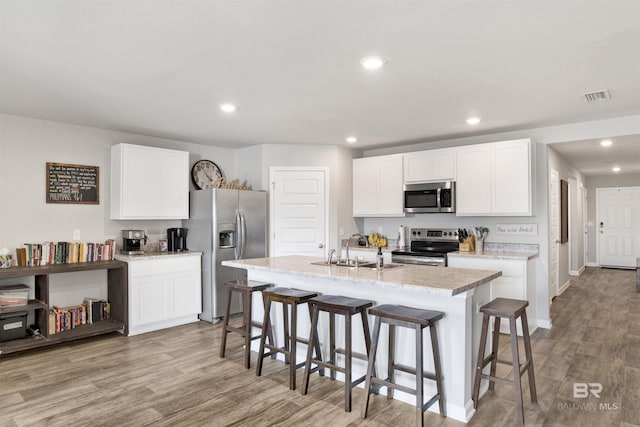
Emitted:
<point x="494" y="179"/>
<point x="377" y="186"/>
<point x="430" y="165"/>
<point x="149" y="183"/>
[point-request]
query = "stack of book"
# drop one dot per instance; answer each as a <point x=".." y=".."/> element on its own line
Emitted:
<point x="66" y="318"/>
<point x="49" y="253"/>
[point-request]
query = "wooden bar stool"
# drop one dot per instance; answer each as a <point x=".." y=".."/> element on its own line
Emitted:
<point x="346" y="307"/>
<point x="509" y="309"/>
<point x="292" y="298"/>
<point x="246" y="289"/>
<point x="417" y="319"/>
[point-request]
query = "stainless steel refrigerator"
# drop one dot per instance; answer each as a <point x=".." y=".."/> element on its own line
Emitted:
<point x="225" y="225"/>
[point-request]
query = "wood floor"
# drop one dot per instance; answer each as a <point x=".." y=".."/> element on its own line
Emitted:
<point x="175" y="377"/>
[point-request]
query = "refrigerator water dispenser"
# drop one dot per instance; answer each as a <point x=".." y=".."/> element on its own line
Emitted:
<point x="226" y="236"/>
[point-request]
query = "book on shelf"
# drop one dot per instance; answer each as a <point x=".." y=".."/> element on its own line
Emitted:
<point x="66" y="318"/>
<point x="50" y="253"/>
<point x="96" y="309"/>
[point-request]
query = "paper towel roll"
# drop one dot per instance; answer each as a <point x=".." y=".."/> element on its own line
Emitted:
<point x="401" y="241"/>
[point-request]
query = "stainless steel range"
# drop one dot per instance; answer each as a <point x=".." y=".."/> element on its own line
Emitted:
<point x="428" y="246"/>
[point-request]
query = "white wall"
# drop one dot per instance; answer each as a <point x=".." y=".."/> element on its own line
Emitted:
<point x="602" y="181"/>
<point x="25" y="147"/>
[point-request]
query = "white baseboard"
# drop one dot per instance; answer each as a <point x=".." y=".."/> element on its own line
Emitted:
<point x="544" y="324"/>
<point x="593" y="264"/>
<point x="564" y="287"/>
<point x="576" y="273"/>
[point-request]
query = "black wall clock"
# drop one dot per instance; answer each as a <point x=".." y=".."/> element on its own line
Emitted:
<point x="204" y="173"/>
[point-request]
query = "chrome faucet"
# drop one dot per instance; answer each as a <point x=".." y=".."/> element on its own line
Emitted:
<point x="330" y="255"/>
<point x="349" y="244"/>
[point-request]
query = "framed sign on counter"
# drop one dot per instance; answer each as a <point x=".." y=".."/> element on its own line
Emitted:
<point x="75" y="184"/>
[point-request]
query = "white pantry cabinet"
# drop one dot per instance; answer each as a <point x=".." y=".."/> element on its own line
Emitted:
<point x="149" y="183"/>
<point x="377" y="186"/>
<point x="430" y="166"/>
<point x="495" y="179"/>
<point x="164" y="291"/>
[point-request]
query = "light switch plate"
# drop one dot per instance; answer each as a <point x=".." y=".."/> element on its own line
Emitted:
<point x="76" y="234"/>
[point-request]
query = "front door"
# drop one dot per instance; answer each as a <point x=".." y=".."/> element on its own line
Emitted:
<point x="618" y="214"/>
<point x="298" y="209"/>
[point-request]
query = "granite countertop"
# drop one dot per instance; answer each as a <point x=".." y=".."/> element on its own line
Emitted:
<point x="496" y="255"/>
<point x="450" y="281"/>
<point x="156" y="255"/>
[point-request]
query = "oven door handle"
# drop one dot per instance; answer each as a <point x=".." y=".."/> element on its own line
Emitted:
<point x="409" y="259"/>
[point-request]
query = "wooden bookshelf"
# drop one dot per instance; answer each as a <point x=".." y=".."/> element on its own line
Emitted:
<point x="117" y="288"/>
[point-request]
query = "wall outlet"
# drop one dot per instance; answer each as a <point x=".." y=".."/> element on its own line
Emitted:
<point x="380" y="230"/>
<point x="76" y="234"/>
<point x="341" y="230"/>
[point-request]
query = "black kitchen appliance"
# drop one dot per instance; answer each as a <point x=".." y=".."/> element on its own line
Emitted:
<point x="177" y="239"/>
<point x="432" y="197"/>
<point x="428" y="246"/>
<point x="132" y="242"/>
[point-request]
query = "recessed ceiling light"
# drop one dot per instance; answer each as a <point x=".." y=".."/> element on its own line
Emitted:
<point x="606" y="142"/>
<point x="372" y="62"/>
<point x="228" y="108"/>
<point x="352" y="139"/>
<point x="616" y="168"/>
<point x="473" y="120"/>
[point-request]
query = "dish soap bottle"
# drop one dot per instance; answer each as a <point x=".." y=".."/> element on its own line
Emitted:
<point x="379" y="259"/>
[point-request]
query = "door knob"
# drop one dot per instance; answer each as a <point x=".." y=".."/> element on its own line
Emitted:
<point x="320" y="245"/>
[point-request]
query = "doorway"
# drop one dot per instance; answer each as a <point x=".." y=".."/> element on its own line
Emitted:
<point x="298" y="211"/>
<point x="618" y="225"/>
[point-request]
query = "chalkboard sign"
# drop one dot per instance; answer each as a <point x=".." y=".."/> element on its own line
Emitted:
<point x="73" y="183"/>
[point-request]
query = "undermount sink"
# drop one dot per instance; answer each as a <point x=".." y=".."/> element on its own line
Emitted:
<point x="361" y="264"/>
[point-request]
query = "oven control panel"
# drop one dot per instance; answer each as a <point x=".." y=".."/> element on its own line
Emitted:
<point x="435" y="234"/>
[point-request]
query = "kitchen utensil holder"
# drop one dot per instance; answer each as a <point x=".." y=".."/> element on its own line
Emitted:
<point x="480" y="245"/>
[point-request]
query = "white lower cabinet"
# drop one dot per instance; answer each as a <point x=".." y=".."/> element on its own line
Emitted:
<point x="164" y="291"/>
<point x="517" y="282"/>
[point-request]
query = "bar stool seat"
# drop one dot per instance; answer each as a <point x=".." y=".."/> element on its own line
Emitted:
<point x="346" y="307"/>
<point x="246" y="289"/>
<point x="417" y="319"/>
<point x="292" y="298"/>
<point x="509" y="309"/>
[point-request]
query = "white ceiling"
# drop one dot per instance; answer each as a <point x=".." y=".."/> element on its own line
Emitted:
<point x="161" y="68"/>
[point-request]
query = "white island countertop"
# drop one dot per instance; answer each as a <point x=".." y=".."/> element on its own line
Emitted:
<point x="447" y="281"/>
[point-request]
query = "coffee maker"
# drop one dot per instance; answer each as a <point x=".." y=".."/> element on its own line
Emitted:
<point x="177" y="239"/>
<point x="132" y="242"/>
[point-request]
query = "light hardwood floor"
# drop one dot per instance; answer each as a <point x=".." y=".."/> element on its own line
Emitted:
<point x="176" y="378"/>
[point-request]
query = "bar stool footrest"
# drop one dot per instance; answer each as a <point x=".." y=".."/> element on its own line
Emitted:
<point x="498" y="379"/>
<point x="411" y="370"/>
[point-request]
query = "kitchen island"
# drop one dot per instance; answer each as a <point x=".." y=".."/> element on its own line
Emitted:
<point x="456" y="292"/>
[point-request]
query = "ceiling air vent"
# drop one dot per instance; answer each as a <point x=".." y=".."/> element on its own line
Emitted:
<point x="597" y="96"/>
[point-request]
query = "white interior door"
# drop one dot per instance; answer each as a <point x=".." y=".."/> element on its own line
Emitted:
<point x="554" y="231"/>
<point x="298" y="211"/>
<point x="618" y="213"/>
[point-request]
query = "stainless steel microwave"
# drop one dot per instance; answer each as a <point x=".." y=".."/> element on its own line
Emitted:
<point x="432" y="197"/>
